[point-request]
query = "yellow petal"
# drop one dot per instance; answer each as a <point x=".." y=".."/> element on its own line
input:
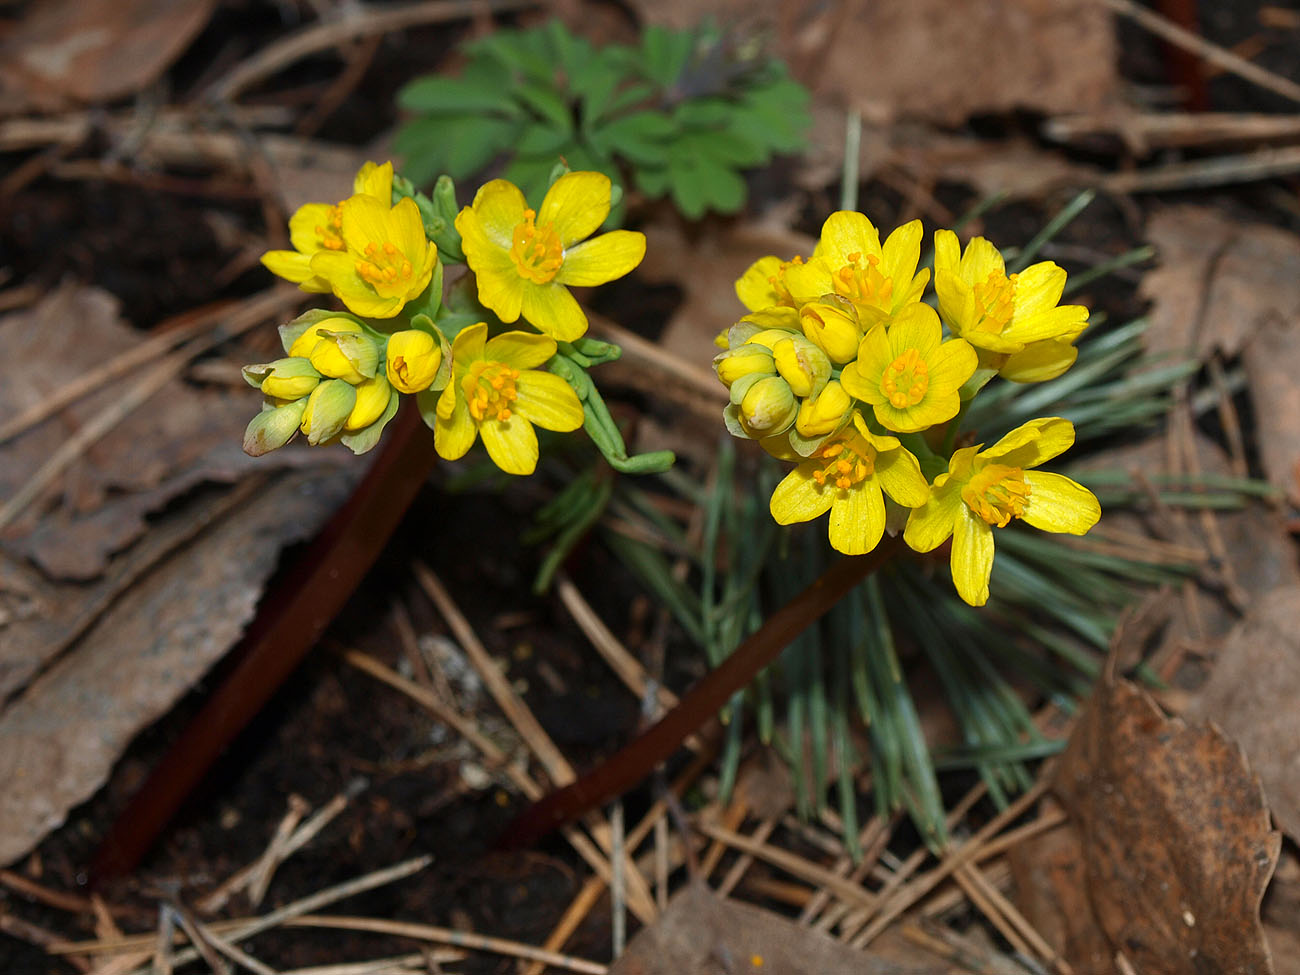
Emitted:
<point x="602" y="258"/>
<point x="951" y="365"/>
<point x="306" y="224"/>
<point x="980" y="260"/>
<point x="800" y="498"/>
<point x="365" y="221"/>
<point x="1039" y="362"/>
<point x="956" y="301"/>
<point x="501" y="289"/>
<point x="1065" y="322"/>
<point x="858" y="519"/>
<point x="453" y="434"/>
<point x="554" y="311"/>
<point x="523" y="350"/>
<point x="1039" y="288"/>
<point x="548" y="401"/>
<point x="1033" y="443"/>
<point x="844" y="233"/>
<point x="899" y="473"/>
<point x="754" y="287"/>
<point x="972" y="557"/>
<point x="901" y="253"/>
<point x="575" y="205"/>
<point x="289" y="265"/>
<point x="499" y="206"/>
<point x="916" y="327"/>
<point x="809" y="281"/>
<point x="512" y="444"/>
<point x="947" y="253"/>
<point x="376" y="181"/>
<point x="1058" y="504"/>
<point x="468" y="344"/>
<point x="929" y="526"/>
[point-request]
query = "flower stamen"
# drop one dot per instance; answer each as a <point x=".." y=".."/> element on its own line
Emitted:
<point x="850" y="461"/>
<point x="906" y="380"/>
<point x="490" y="389"/>
<point x="864" y="284"/>
<point x="536" y="251"/>
<point x="997" y="494"/>
<point x="995" y="302"/>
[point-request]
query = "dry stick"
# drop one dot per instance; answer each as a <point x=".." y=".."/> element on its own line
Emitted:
<point x="871" y="840"/>
<point x="1145" y="130"/>
<point x="617" y="885"/>
<point x="637" y="349"/>
<point x="491" y="753"/>
<point x="216" y="964"/>
<point x="978" y="894"/>
<point x="234" y="953"/>
<point x="746" y="860"/>
<point x="965" y="853"/>
<point x="852" y="921"/>
<point x="594" y="887"/>
<point x="51" y="898"/>
<point x="1018" y="921"/>
<point x="1201" y="173"/>
<point x="732" y="818"/>
<point x="449" y="936"/>
<point x="249" y="927"/>
<point x="1213" y="53"/>
<point x="260" y="877"/>
<point x="539" y="742"/>
<point x="246" y="315"/>
<point x="34" y="934"/>
<point x="418" y="962"/>
<point x="359" y="21"/>
<point x="792" y="864"/>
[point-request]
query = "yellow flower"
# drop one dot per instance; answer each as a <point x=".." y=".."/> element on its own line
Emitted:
<point x="523" y="260"/>
<point x="284" y="379"/>
<point x="763" y="284"/>
<point x="387" y="260"/>
<point x="825" y="412"/>
<point x="908" y="374"/>
<point x="328" y="408"/>
<point x="850" y="262"/>
<point x="318" y="226"/>
<point x="495" y="392"/>
<point x="849" y="477"/>
<point x="834" y="327"/>
<point x="987" y="488"/>
<point x="412" y="360"/>
<point x="1014" y="320"/>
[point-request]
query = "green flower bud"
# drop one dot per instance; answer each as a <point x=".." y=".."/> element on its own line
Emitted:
<point x="350" y="356"/>
<point x="768" y="407"/>
<point x="287" y="379"/>
<point x="372" y="401"/>
<point x="412" y="360"/>
<point x="833" y="328"/>
<point x="821" y="414"/>
<point x="802" y="364"/>
<point x="273" y="428"/>
<point x="743" y="361"/>
<point x="328" y="408"/>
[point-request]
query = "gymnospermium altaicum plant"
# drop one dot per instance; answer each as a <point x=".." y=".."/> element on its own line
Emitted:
<point x="681" y="114"/>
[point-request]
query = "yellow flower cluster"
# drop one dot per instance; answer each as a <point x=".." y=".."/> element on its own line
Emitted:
<point x="841" y="367"/>
<point x="343" y="371"/>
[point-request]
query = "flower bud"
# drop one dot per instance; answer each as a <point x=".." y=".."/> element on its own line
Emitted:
<point x="801" y="364"/>
<point x="305" y="342"/>
<point x="833" y="328"/>
<point x="820" y="414"/>
<point x="743" y="361"/>
<point x="286" y="379"/>
<point x="273" y="428"/>
<point x="372" y="400"/>
<point x="768" y="407"/>
<point x="328" y="408"/>
<point x="350" y="356"/>
<point x="412" y="360"/>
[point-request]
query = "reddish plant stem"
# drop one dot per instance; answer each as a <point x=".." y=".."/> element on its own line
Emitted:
<point x="1183" y="68"/>
<point x="289" y="622"/>
<point x="636" y="760"/>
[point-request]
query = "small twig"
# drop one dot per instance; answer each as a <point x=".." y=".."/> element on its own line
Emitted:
<point x="1213" y="53"/>
<point x="57" y="899"/>
<point x="34" y="934"/>
<point x="1202" y="173"/>
<point x="760" y="835"/>
<point x="415" y="963"/>
<point x="260" y="877"/>
<point x="450" y="936"/>
<point x="216" y="964"/>
<point x="617" y="884"/>
<point x="359" y="21"/>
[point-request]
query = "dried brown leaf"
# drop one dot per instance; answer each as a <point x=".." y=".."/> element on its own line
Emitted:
<point x="94" y="50"/>
<point x="1176" y="836"/>
<point x="703" y="934"/>
<point x="1051" y="891"/>
<point x="915" y="58"/>
<point x="63" y="733"/>
<point x="1252" y="695"/>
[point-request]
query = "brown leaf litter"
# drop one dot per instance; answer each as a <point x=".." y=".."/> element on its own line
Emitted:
<point x="1175" y="836"/>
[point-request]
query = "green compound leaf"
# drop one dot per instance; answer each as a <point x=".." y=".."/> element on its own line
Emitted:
<point x="641" y="137"/>
<point x="542" y="99"/>
<point x="436" y="95"/>
<point x="664" y="54"/>
<point x="431" y="150"/>
<point x="543" y="139"/>
<point x="699" y="184"/>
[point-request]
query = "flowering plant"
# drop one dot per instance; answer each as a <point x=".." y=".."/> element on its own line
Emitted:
<point x="841" y="367"/>
<point x="382" y="253"/>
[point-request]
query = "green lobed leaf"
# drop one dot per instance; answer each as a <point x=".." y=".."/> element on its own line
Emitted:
<point x="437" y="95"/>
